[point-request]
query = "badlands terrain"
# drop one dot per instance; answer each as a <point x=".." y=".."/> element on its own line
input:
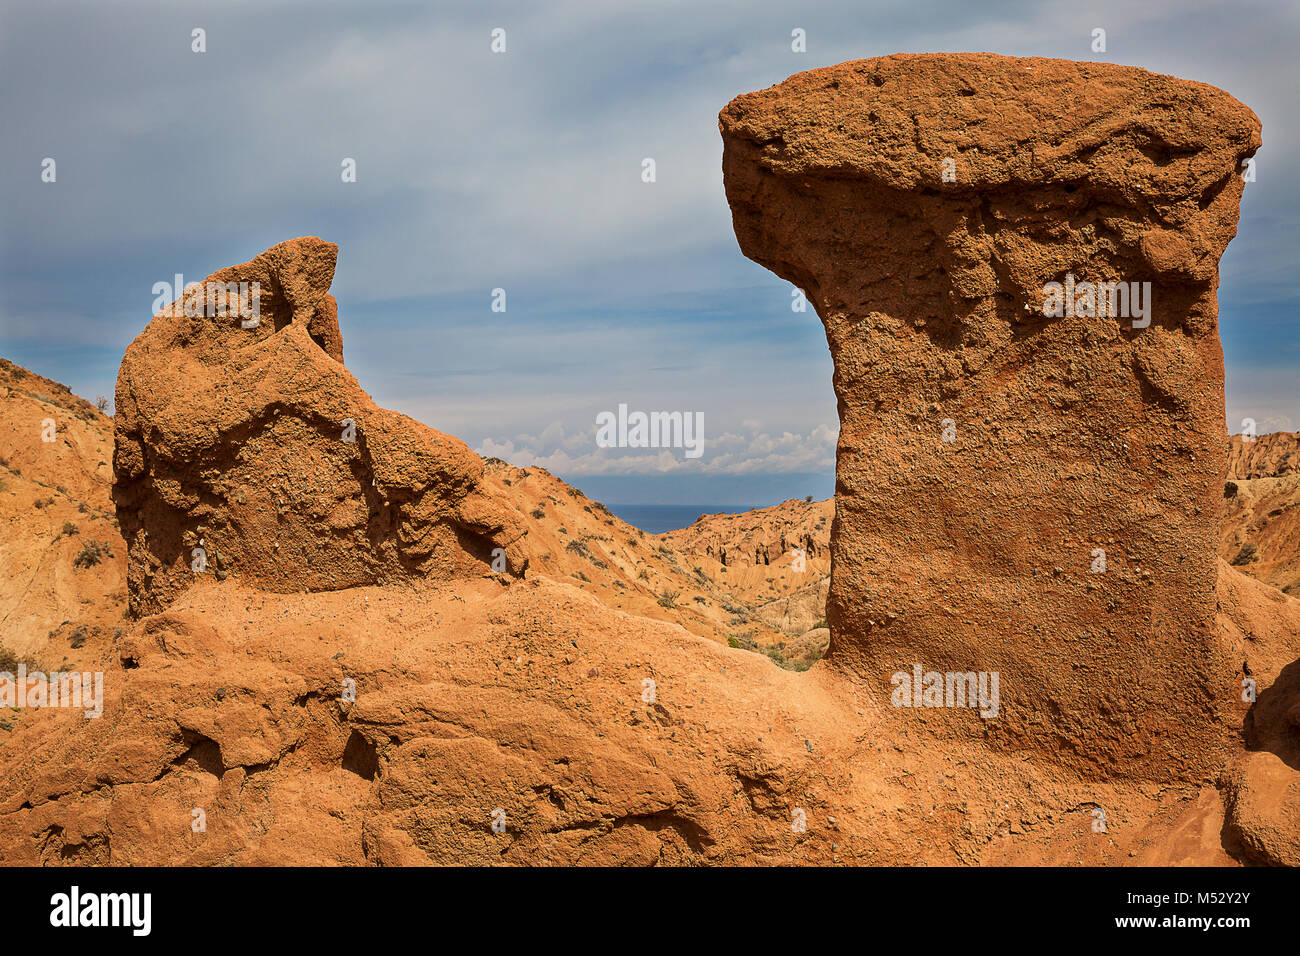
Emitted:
<point x="337" y="636"/>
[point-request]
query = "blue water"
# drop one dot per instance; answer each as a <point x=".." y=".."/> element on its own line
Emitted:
<point x="654" y="519"/>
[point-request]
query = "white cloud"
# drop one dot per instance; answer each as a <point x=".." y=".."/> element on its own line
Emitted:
<point x="568" y="453"/>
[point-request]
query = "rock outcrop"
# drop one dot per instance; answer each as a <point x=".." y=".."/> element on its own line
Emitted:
<point x="992" y="449"/>
<point x="1263" y="789"/>
<point x="1275" y="455"/>
<point x="759" y="537"/>
<point x="245" y="447"/>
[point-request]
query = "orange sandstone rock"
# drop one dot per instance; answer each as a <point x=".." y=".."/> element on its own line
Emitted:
<point x="988" y="451"/>
<point x="252" y="451"/>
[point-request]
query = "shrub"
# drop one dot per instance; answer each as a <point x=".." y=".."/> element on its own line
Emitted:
<point x="70" y="529"/>
<point x="538" y="512"/>
<point x="1246" y="554"/>
<point x="9" y="661"/>
<point x="668" y="599"/>
<point x="91" y="553"/>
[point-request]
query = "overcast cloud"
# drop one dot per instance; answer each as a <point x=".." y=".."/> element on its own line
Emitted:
<point x="522" y="171"/>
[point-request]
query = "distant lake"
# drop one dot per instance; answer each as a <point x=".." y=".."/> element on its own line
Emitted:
<point x="654" y="519"/>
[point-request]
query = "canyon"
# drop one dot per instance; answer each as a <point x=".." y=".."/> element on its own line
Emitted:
<point x="356" y="678"/>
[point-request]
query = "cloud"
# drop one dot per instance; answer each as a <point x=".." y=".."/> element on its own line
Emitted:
<point x="748" y="452"/>
<point x="522" y="170"/>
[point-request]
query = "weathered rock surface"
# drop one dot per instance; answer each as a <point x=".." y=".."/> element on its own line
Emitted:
<point x="759" y="537"/>
<point x="257" y="446"/>
<point x="1067" y="434"/>
<point x="1275" y="455"/>
<point x="1263" y="788"/>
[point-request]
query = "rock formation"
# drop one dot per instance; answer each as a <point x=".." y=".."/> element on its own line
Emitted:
<point x="252" y="451"/>
<point x="433" y="717"/>
<point x="759" y="537"/>
<point x="1276" y="455"/>
<point x="1260" y="532"/>
<point x="993" y="442"/>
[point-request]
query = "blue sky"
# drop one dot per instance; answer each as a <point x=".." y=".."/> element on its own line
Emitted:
<point x="522" y="171"/>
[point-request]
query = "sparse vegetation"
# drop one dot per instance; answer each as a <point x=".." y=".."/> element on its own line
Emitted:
<point x="102" y="404"/>
<point x="668" y="599"/>
<point x="538" y="512"/>
<point x="9" y="661"/>
<point x="1245" y="555"/>
<point x="91" y="553"/>
<point x="70" y="529"/>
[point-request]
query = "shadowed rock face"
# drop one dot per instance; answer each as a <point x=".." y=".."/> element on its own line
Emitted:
<point x="258" y="446"/>
<point x="1066" y="434"/>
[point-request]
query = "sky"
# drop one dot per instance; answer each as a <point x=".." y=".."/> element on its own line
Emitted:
<point x="522" y="170"/>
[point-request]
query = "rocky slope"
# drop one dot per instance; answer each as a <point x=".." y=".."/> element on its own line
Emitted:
<point x="579" y="541"/>
<point x="1260" y="533"/>
<point x="777" y="562"/>
<point x="63" y="586"/>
